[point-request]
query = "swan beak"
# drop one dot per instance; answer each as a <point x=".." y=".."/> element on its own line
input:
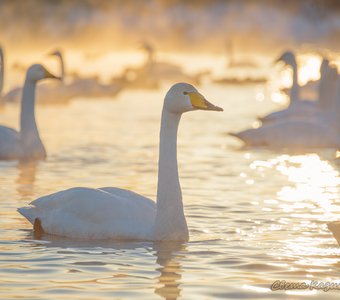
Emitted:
<point x="50" y="75"/>
<point x="276" y="61"/>
<point x="199" y="102"/>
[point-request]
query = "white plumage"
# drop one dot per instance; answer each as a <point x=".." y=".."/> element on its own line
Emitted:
<point x="121" y="214"/>
<point x="26" y="144"/>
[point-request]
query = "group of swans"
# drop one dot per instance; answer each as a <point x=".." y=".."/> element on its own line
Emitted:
<point x="153" y="71"/>
<point x="234" y="63"/>
<point x="56" y="92"/>
<point x="63" y="91"/>
<point x="304" y="124"/>
<point x="107" y="213"/>
<point x="113" y="213"/>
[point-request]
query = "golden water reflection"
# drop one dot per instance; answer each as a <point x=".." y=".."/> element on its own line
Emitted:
<point x="26" y="178"/>
<point x="170" y="269"/>
<point x="250" y="215"/>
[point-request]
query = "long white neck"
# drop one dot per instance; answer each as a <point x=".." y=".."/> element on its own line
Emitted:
<point x="295" y="90"/>
<point x="2" y="70"/>
<point x="328" y="86"/>
<point x="31" y="144"/>
<point x="170" y="223"/>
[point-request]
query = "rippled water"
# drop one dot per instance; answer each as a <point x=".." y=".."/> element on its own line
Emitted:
<point x="255" y="216"/>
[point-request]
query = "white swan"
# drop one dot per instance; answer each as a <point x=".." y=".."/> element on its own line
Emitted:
<point x="296" y="107"/>
<point x="46" y="93"/>
<point x="26" y="144"/>
<point x="115" y="213"/>
<point x="84" y="87"/>
<point x="57" y="53"/>
<point x="323" y="130"/>
<point x="234" y="63"/>
<point x="152" y="72"/>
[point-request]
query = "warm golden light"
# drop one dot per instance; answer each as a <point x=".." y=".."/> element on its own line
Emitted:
<point x="133" y="205"/>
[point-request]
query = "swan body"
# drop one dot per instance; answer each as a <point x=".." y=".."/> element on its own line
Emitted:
<point x="78" y="87"/>
<point x="9" y="143"/>
<point x="292" y="134"/>
<point x="91" y="88"/>
<point x="112" y="213"/>
<point x="305" y="109"/>
<point x="26" y="144"/>
<point x="95" y="214"/>
<point x="150" y="74"/>
<point x="307" y="91"/>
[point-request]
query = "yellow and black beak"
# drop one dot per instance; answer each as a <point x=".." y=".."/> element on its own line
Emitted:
<point x="199" y="102"/>
<point x="50" y="75"/>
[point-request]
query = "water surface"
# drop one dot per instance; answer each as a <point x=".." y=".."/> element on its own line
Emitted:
<point x="255" y="216"/>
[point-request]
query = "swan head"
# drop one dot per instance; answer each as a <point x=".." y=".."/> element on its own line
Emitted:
<point x="288" y="58"/>
<point x="37" y="72"/>
<point x="56" y="53"/>
<point x="183" y="97"/>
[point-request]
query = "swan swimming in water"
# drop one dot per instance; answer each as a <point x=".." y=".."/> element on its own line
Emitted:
<point x="153" y="71"/>
<point x="26" y="144"/>
<point x="296" y="107"/>
<point x="49" y="93"/>
<point x="121" y="214"/>
<point x="321" y="130"/>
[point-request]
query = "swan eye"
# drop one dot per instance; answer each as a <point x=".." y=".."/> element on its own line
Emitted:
<point x="185" y="93"/>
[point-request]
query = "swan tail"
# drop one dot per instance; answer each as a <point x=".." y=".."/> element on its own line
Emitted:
<point x="29" y="213"/>
<point x="37" y="227"/>
<point x="334" y="227"/>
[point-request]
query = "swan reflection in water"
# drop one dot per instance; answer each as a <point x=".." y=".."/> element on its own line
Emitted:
<point x="26" y="178"/>
<point x="168" y="259"/>
<point x="167" y="283"/>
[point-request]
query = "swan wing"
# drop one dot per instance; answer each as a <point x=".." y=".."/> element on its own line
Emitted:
<point x="93" y="214"/>
<point x="13" y="95"/>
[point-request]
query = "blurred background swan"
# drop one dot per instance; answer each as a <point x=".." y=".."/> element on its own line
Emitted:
<point x="297" y="107"/>
<point x="70" y="87"/>
<point x="46" y="93"/>
<point x="26" y="144"/>
<point x="234" y="63"/>
<point x="304" y="124"/>
<point x="153" y="71"/>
